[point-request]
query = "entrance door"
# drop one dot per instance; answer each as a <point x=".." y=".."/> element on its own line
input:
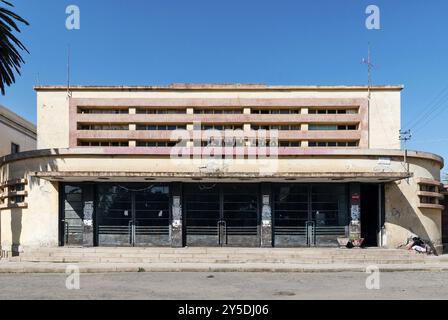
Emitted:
<point x="222" y="215"/>
<point x="239" y="216"/>
<point x="72" y="215"/>
<point x="151" y="218"/>
<point x="310" y="214"/>
<point x="133" y="215"/>
<point x="370" y="214"/>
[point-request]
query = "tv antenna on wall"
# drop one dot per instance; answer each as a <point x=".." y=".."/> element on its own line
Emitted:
<point x="368" y="61"/>
<point x="69" y="93"/>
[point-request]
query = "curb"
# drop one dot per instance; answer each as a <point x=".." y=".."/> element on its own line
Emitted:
<point x="16" y="268"/>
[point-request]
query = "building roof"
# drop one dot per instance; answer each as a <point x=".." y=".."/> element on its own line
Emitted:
<point x="223" y="87"/>
<point x="16" y="120"/>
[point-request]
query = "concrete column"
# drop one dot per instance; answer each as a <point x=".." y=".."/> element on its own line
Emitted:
<point x="355" y="210"/>
<point x="190" y="111"/>
<point x="304" y="127"/>
<point x="88" y="211"/>
<point x="176" y="219"/>
<point x="132" y="110"/>
<point x="132" y="127"/>
<point x="246" y="111"/>
<point x="266" y="216"/>
<point x="132" y="143"/>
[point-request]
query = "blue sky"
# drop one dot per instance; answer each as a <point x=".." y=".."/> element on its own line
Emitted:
<point x="251" y="41"/>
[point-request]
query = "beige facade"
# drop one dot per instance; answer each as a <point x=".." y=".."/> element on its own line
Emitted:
<point x="15" y="130"/>
<point x="80" y="145"/>
<point x="378" y="121"/>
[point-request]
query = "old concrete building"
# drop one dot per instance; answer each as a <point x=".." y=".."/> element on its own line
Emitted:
<point x="445" y="217"/>
<point x="219" y="165"/>
<point x="16" y="133"/>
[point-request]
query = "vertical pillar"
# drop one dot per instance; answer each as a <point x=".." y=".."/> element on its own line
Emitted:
<point x="176" y="219"/>
<point x="88" y="209"/>
<point x="355" y="211"/>
<point x="266" y="216"/>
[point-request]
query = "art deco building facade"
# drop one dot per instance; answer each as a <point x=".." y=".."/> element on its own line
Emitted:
<point x="219" y="165"/>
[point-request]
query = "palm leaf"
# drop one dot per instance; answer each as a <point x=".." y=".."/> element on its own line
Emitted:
<point x="10" y="46"/>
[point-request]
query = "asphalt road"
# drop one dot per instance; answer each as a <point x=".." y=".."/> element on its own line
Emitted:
<point x="226" y="285"/>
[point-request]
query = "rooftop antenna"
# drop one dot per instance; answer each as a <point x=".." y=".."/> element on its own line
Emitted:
<point x="69" y="93"/>
<point x="370" y="66"/>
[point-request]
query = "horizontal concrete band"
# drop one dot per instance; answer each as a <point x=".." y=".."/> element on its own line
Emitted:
<point x="184" y="86"/>
<point x="141" y="152"/>
<point x="167" y="135"/>
<point x="386" y="176"/>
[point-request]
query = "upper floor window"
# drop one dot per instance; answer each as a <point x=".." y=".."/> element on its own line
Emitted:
<point x="332" y="111"/>
<point x="333" y="143"/>
<point x="222" y="127"/>
<point x="275" y="111"/>
<point x="102" y="111"/>
<point x="332" y="127"/>
<point x="275" y="127"/>
<point x="160" y="111"/>
<point x="428" y="188"/>
<point x="87" y="143"/>
<point x="15" y="148"/>
<point x="218" y="111"/>
<point x="103" y="127"/>
<point x="161" y="127"/>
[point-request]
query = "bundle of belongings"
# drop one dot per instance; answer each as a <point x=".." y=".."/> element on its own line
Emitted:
<point x="417" y="244"/>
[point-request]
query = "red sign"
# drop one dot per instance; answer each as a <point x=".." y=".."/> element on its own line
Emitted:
<point x="355" y="196"/>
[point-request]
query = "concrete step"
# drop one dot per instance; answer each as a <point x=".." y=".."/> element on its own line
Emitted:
<point x="219" y="251"/>
<point x="220" y="255"/>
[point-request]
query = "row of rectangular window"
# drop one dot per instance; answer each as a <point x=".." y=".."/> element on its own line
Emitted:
<point x="103" y="143"/>
<point x="275" y="111"/>
<point x="324" y="127"/>
<point x="160" y="111"/>
<point x="275" y="127"/>
<point x="257" y="143"/>
<point x="156" y="143"/>
<point x="103" y="111"/>
<point x="160" y="127"/>
<point x="216" y="111"/>
<point x="227" y="143"/>
<point x="215" y="127"/>
<point x="332" y="111"/>
<point x="333" y="144"/>
<point x="428" y="188"/>
<point x="428" y="200"/>
<point x="103" y="127"/>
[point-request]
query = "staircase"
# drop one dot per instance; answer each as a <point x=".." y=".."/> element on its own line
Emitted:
<point x="226" y="255"/>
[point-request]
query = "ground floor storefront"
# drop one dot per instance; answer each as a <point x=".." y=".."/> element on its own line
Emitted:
<point x="100" y="198"/>
<point x="218" y="214"/>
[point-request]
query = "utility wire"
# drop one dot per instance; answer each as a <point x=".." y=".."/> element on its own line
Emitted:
<point x="428" y="109"/>
<point x="435" y="113"/>
<point x="431" y="112"/>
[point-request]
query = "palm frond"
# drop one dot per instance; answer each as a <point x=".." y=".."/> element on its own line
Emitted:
<point x="10" y="46"/>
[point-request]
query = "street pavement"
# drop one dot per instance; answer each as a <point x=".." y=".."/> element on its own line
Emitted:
<point x="225" y="285"/>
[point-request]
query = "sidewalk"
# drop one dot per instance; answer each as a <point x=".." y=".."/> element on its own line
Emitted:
<point x="46" y="267"/>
